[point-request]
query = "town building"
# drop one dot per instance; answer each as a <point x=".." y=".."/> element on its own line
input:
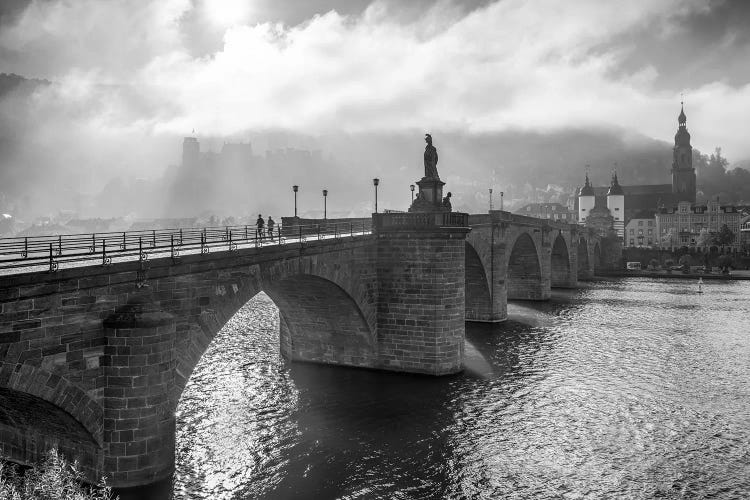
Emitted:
<point x="553" y="211"/>
<point x="745" y="234"/>
<point x="641" y="233"/>
<point x="689" y="225"/>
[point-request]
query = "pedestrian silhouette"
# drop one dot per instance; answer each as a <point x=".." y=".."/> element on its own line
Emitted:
<point x="259" y="227"/>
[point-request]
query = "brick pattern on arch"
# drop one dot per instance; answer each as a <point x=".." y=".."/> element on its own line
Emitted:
<point x="56" y="390"/>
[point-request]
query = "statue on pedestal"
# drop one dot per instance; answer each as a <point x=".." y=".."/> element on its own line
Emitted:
<point x="430" y="159"/>
<point x="430" y="196"/>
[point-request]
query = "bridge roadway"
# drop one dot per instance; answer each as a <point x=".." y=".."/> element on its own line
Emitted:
<point x="93" y="358"/>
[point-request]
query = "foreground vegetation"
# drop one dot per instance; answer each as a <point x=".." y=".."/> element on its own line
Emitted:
<point x="53" y="479"/>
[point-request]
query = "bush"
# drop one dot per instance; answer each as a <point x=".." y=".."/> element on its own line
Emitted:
<point x="55" y="478"/>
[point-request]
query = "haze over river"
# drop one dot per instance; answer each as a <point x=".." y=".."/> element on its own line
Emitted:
<point x="628" y="388"/>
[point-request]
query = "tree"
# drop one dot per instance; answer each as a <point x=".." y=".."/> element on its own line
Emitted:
<point x="705" y="238"/>
<point x="55" y="478"/>
<point x="724" y="237"/>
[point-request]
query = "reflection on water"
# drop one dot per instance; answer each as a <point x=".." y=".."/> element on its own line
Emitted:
<point x="627" y="388"/>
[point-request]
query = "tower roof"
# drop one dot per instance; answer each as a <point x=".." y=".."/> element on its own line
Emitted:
<point x="586" y="190"/>
<point x="682" y="119"/>
<point x="682" y="137"/>
<point x="614" y="187"/>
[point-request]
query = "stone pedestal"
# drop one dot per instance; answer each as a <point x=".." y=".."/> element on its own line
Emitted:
<point x="430" y="196"/>
<point x="421" y="291"/>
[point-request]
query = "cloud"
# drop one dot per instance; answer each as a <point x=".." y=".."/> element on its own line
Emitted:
<point x="129" y="67"/>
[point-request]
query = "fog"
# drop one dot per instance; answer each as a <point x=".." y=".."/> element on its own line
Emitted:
<point x="519" y="96"/>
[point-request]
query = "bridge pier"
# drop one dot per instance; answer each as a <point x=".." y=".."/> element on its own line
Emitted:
<point x="421" y="290"/>
<point x="139" y="422"/>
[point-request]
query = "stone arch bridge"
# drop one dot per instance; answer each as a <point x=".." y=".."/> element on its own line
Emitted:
<point x="94" y="362"/>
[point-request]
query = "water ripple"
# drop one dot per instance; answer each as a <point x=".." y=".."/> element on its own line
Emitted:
<point x="623" y="389"/>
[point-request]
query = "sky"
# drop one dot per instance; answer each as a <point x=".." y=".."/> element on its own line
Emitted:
<point x="138" y="72"/>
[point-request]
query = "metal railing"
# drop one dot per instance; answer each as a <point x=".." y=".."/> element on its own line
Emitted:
<point x="56" y="251"/>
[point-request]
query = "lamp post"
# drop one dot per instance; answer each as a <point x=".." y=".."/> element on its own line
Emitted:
<point x="295" y="189"/>
<point x="501" y="200"/>
<point x="375" y="183"/>
<point x="490" y="190"/>
<point x="411" y="186"/>
<point x="325" y="197"/>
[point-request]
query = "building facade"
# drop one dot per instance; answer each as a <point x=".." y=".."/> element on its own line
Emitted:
<point x="641" y="233"/>
<point x="552" y="211"/>
<point x="745" y="234"/>
<point x="688" y="225"/>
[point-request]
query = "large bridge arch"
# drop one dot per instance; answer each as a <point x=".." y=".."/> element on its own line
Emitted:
<point x="524" y="270"/>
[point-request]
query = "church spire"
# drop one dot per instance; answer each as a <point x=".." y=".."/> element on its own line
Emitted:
<point x="682" y="119"/>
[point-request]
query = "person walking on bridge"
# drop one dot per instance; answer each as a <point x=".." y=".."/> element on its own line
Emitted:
<point x="270" y="225"/>
<point x="259" y="228"/>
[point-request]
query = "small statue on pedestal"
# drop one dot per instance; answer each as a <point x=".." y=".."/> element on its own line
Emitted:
<point x="447" y="202"/>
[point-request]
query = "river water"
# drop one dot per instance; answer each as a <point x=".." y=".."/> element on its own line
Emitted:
<point x="628" y="388"/>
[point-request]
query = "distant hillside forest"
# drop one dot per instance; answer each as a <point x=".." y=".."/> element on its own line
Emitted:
<point x="716" y="180"/>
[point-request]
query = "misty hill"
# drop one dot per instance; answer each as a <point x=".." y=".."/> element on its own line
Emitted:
<point x="45" y="168"/>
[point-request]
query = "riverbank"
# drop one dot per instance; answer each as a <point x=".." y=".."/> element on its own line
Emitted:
<point x="733" y="275"/>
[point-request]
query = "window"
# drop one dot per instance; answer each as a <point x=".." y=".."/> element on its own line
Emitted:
<point x="632" y="231"/>
<point x="650" y="241"/>
<point x="617" y="209"/>
<point x="583" y="210"/>
<point x="640" y="222"/>
<point x="632" y="241"/>
<point x="640" y="232"/>
<point x="650" y="231"/>
<point x="650" y="223"/>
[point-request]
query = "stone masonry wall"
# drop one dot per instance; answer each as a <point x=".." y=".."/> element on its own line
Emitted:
<point x="421" y="300"/>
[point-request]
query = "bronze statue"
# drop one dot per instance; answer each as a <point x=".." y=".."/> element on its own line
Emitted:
<point x="430" y="159"/>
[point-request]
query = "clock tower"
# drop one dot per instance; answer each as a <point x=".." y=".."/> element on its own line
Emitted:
<point x="683" y="173"/>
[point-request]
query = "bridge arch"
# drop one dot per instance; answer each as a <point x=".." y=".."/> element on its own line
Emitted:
<point x="560" y="268"/>
<point x="478" y="296"/>
<point x="524" y="270"/>
<point x="321" y="322"/>
<point x="57" y="391"/>
<point x="319" y="319"/>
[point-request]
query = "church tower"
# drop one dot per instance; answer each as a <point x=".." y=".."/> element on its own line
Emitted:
<point x="683" y="173"/>
<point x="586" y="200"/>
<point x="616" y="205"/>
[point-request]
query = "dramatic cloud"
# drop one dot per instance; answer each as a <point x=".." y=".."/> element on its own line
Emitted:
<point x="153" y="69"/>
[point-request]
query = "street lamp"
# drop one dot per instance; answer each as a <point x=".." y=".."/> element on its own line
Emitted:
<point x="325" y="197"/>
<point x="411" y="186"/>
<point x="295" y="189"/>
<point x="501" y="200"/>
<point x="375" y="183"/>
<point x="490" y="190"/>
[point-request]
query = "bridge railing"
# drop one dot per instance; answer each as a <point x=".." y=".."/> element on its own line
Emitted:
<point x="76" y="249"/>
